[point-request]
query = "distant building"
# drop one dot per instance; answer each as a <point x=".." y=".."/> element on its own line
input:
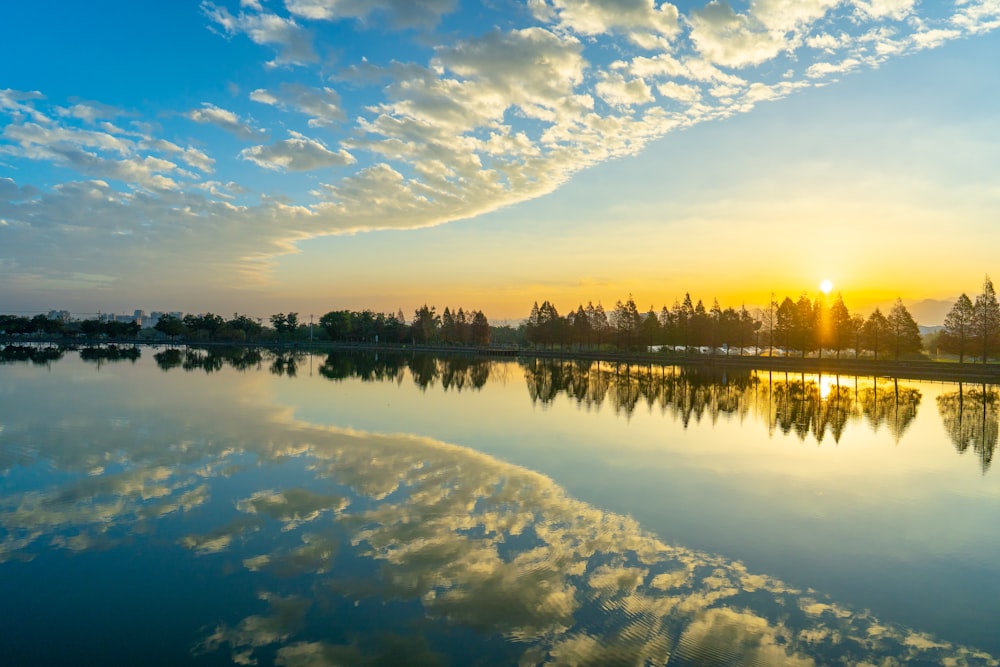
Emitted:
<point x="61" y="315"/>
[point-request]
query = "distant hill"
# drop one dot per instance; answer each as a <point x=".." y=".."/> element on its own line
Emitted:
<point x="930" y="312"/>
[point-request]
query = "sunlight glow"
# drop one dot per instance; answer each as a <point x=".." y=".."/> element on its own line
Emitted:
<point x="825" y="286"/>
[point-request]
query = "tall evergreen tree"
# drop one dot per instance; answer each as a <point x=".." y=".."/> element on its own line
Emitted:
<point x="875" y="332"/>
<point x="986" y="321"/>
<point x="480" y="329"/>
<point x="841" y="329"/>
<point x="958" y="323"/>
<point x="904" y="334"/>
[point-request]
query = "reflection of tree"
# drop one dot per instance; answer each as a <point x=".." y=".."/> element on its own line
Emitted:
<point x="455" y="372"/>
<point x="209" y="360"/>
<point x="801" y="406"/>
<point x="688" y="393"/>
<point x="970" y="417"/>
<point x="10" y="354"/>
<point x="889" y="404"/>
<point x="285" y="364"/>
<point x="375" y="535"/>
<point x="104" y="353"/>
<point x="804" y="406"/>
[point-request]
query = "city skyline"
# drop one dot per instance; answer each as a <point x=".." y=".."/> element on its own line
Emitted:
<point x="313" y="155"/>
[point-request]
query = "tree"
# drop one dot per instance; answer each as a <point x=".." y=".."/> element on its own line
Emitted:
<point x="463" y="333"/>
<point x="857" y="332"/>
<point x="480" y="329"/>
<point x="958" y="331"/>
<point x="626" y="321"/>
<point x="805" y="325"/>
<point x="171" y="326"/>
<point x="449" y="332"/>
<point x="531" y="324"/>
<point x="424" y="327"/>
<point x="650" y="329"/>
<point x="822" y="324"/>
<point x="986" y="321"/>
<point x="785" y="324"/>
<point x="598" y="322"/>
<point x="337" y="324"/>
<point x="904" y="334"/>
<point x="580" y="326"/>
<point x="875" y="332"/>
<point x="841" y="327"/>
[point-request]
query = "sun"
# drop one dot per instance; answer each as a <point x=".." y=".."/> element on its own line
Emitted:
<point x="825" y="286"/>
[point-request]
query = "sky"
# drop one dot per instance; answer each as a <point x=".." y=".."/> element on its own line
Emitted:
<point x="263" y="156"/>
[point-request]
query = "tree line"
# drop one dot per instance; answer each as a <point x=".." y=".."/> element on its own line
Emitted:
<point x="790" y="327"/>
<point x="801" y="327"/>
<point x="456" y="327"/>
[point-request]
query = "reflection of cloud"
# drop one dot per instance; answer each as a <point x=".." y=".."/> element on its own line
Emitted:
<point x="413" y="525"/>
<point x="502" y="549"/>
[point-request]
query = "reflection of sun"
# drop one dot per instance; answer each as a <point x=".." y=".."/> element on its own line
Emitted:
<point x="825" y="286"/>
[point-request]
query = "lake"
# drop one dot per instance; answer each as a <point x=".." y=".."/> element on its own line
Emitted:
<point x="182" y="506"/>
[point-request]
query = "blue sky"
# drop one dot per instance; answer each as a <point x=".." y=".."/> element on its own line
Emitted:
<point x="319" y="154"/>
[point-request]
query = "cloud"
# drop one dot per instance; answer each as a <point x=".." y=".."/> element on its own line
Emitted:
<point x="296" y="154"/>
<point x="595" y="17"/>
<point x="225" y="119"/>
<point x="321" y="105"/>
<point x="894" y="9"/>
<point x="400" y="13"/>
<point x="449" y="126"/>
<point x="726" y="38"/>
<point x="616" y="91"/>
<point x="294" y="44"/>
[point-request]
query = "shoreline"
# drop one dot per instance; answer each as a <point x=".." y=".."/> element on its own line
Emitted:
<point x="908" y="369"/>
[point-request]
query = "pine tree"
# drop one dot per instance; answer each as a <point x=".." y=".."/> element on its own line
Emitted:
<point x="903" y="332"/>
<point x="958" y="332"/>
<point x="986" y="321"/>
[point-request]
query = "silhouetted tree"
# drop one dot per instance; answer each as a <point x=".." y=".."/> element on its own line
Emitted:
<point x="171" y="326"/>
<point x="875" y="332"/>
<point x="958" y="323"/>
<point x="986" y="321"/>
<point x="904" y="334"/>
<point x="626" y="321"/>
<point x="841" y="327"/>
<point x="785" y="324"/>
<point x="480" y="329"/>
<point x="425" y="325"/>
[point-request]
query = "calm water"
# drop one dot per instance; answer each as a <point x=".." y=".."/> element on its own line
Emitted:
<point x="174" y="507"/>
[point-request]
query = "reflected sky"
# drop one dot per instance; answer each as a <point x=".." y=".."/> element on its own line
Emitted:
<point x="350" y="518"/>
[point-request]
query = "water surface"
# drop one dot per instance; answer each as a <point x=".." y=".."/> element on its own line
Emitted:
<point x="184" y="506"/>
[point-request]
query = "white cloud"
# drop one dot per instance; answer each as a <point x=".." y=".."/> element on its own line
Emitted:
<point x="824" y="41"/>
<point x="679" y="92"/>
<point x="892" y="9"/>
<point x="90" y="113"/>
<point x="482" y="122"/>
<point x="929" y="39"/>
<point x="825" y="69"/>
<point x="789" y="15"/>
<point x="298" y="153"/>
<point x="595" y="17"/>
<point x="191" y="156"/>
<point x="293" y="43"/>
<point x="726" y="38"/>
<point x="225" y="119"/>
<point x="321" y="104"/>
<point x="531" y="67"/>
<point x="616" y="91"/>
<point x="400" y="13"/>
